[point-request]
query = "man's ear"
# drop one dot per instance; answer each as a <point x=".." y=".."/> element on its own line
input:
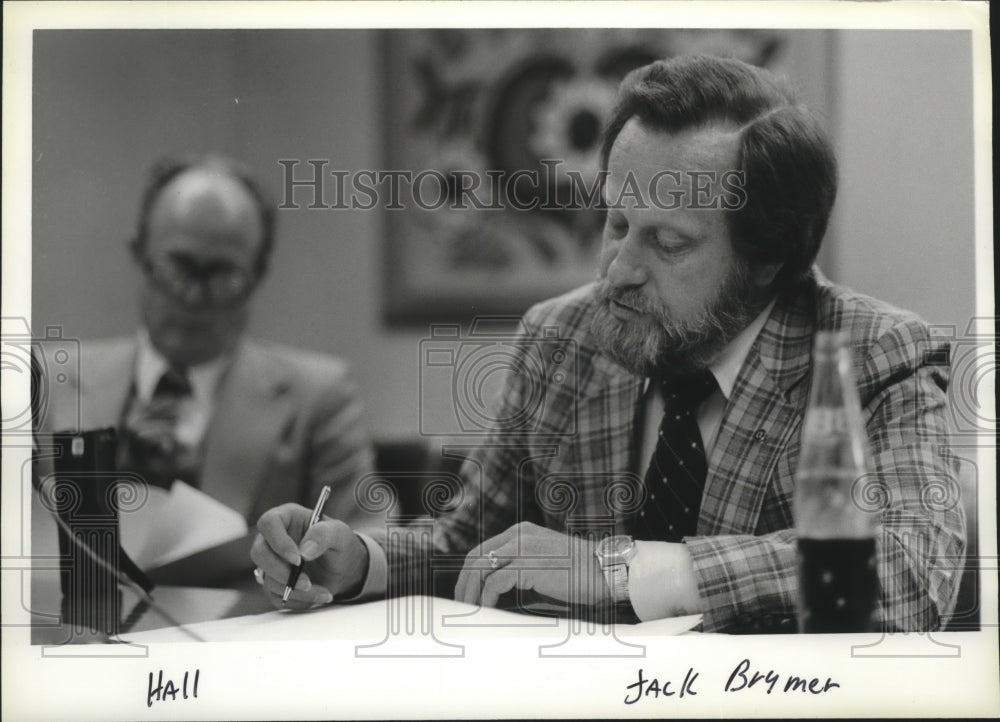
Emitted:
<point x="763" y="275"/>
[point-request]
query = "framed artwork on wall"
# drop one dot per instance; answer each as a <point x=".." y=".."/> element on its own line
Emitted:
<point x="498" y="133"/>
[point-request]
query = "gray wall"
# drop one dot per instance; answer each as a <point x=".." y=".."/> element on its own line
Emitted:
<point x="903" y="224"/>
<point x="106" y="105"/>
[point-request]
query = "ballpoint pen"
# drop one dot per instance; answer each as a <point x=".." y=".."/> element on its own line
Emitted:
<point x="293" y="578"/>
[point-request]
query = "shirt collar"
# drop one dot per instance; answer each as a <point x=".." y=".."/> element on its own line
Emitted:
<point x="726" y="367"/>
<point x="150" y="366"/>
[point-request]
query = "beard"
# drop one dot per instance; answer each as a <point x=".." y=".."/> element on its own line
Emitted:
<point x="656" y="344"/>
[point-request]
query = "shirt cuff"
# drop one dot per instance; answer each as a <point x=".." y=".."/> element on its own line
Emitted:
<point x="653" y="573"/>
<point x="376" y="582"/>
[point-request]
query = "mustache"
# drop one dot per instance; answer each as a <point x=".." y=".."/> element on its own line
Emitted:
<point x="630" y="297"/>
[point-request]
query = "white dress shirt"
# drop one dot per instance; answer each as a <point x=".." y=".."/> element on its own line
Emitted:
<point x="193" y="412"/>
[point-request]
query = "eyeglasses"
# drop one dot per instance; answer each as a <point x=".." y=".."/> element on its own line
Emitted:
<point x="193" y="283"/>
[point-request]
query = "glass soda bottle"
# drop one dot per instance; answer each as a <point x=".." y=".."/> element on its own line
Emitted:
<point x="838" y="576"/>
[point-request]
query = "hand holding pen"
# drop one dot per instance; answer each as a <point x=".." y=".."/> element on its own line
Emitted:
<point x="290" y="535"/>
<point x="293" y="578"/>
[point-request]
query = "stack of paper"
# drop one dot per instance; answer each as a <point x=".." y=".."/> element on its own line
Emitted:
<point x="175" y="524"/>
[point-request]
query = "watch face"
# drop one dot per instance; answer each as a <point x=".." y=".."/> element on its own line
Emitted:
<point x="621" y="544"/>
<point x="615" y="546"/>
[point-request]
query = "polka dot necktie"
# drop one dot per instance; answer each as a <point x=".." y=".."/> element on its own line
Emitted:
<point x="676" y="475"/>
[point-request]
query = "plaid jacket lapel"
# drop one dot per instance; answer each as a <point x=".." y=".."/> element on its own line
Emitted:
<point x="757" y="445"/>
<point x="603" y="452"/>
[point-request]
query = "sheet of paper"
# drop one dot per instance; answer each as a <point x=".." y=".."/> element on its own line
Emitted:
<point x="175" y="524"/>
<point x="451" y="621"/>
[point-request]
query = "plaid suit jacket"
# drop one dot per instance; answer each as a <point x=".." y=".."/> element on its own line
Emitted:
<point x="563" y="453"/>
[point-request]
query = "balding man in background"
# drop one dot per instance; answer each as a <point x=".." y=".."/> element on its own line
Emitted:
<point x="250" y="424"/>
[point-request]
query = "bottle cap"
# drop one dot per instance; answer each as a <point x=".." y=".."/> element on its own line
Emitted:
<point x="829" y="341"/>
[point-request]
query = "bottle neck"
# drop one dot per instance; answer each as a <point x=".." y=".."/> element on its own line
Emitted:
<point x="834" y="459"/>
<point x="831" y="377"/>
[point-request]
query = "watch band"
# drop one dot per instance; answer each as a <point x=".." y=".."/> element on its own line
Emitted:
<point x="616" y="576"/>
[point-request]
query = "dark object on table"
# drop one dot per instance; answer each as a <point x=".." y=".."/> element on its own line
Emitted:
<point x="87" y="494"/>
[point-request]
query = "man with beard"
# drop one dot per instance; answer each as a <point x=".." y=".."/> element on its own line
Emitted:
<point x="675" y="450"/>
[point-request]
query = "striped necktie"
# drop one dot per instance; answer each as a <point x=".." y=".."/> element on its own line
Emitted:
<point x="151" y="448"/>
<point x="675" y="478"/>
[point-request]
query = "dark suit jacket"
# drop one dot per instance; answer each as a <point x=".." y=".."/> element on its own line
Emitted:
<point x="285" y="422"/>
<point x="566" y="456"/>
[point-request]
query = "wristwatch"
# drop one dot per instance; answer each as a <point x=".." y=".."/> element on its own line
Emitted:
<point x="614" y="553"/>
